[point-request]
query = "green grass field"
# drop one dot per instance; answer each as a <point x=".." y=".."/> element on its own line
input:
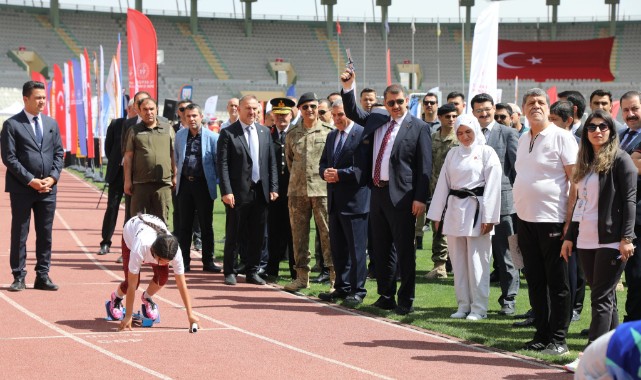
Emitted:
<point x="435" y="301"/>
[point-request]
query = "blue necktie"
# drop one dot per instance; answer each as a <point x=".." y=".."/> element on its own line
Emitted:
<point x="339" y="147"/>
<point x="38" y="131"/>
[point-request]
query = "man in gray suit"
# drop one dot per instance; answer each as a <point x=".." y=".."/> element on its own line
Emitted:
<point x="32" y="151"/>
<point x="504" y="140"/>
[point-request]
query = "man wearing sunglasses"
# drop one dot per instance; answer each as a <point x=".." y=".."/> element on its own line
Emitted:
<point x="505" y="141"/>
<point x="430" y="106"/>
<point x="503" y="114"/>
<point x="324" y="112"/>
<point x="401" y="151"/>
<point x="307" y="191"/>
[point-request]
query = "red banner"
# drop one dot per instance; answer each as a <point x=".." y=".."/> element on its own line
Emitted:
<point x="38" y="77"/>
<point x="58" y="103"/>
<point x="551" y="60"/>
<point x="142" y="49"/>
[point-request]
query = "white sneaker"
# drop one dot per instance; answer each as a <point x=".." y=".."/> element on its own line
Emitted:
<point x="475" y="317"/>
<point x="571" y="367"/>
<point x="459" y="315"/>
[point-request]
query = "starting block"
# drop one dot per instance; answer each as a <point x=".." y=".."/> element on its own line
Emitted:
<point x="144" y="321"/>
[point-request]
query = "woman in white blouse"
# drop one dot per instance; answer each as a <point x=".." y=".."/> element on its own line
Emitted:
<point x="465" y="207"/>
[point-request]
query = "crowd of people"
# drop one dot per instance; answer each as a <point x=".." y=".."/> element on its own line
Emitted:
<point x="373" y="176"/>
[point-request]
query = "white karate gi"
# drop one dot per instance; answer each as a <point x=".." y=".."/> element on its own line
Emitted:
<point x="467" y="168"/>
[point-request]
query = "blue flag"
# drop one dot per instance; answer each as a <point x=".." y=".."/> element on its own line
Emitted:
<point x="79" y="83"/>
<point x="291" y="91"/>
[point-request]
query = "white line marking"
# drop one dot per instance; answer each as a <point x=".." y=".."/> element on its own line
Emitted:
<point x="113" y="334"/>
<point x="82" y="341"/>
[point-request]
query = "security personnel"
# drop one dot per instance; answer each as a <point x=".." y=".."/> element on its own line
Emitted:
<point x="280" y="231"/>
<point x="307" y="191"/>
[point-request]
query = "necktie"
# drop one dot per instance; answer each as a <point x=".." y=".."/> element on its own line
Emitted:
<point x="339" y="147"/>
<point x="38" y="131"/>
<point x="379" y="157"/>
<point x="282" y="137"/>
<point x="252" y="142"/>
<point x="628" y="138"/>
<point x="484" y="130"/>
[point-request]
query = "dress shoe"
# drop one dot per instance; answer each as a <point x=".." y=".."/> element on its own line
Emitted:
<point x="332" y="296"/>
<point x="322" y="278"/>
<point x="17" y="285"/>
<point x="230" y="279"/>
<point x="254" y="279"/>
<point x="507" y="310"/>
<point x="585" y="332"/>
<point x="353" y="300"/>
<point x="212" y="268"/>
<point x="198" y="245"/>
<point x="527" y="323"/>
<point x="104" y="249"/>
<point x="419" y="242"/>
<point x="527" y="314"/>
<point x="262" y="273"/>
<point x="403" y="310"/>
<point x="44" y="283"/>
<point x="494" y="276"/>
<point x="385" y="303"/>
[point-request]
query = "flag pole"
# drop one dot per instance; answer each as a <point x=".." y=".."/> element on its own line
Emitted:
<point x="413" y="31"/>
<point x="364" y="50"/>
<point x="438" y="52"/>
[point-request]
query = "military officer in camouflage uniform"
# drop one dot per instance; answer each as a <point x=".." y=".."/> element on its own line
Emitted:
<point x="442" y="141"/>
<point x="307" y="192"/>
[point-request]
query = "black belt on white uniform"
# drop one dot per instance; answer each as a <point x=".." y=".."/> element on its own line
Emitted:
<point x="462" y="194"/>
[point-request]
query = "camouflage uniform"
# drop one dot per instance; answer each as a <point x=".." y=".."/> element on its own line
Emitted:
<point x="307" y="191"/>
<point x="440" y="147"/>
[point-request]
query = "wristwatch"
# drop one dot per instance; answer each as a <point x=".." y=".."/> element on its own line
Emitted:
<point x="627" y="239"/>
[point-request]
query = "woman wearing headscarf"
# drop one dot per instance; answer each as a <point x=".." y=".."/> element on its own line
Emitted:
<point x="465" y="207"/>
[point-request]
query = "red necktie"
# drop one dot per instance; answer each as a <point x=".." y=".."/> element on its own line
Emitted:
<point x="379" y="157"/>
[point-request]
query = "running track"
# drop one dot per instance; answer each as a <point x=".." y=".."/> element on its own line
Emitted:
<point x="246" y="331"/>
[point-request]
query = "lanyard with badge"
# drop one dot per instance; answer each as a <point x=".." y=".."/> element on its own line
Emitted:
<point x="583" y="199"/>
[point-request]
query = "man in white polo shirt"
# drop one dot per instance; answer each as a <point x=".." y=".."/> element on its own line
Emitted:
<point x="544" y="161"/>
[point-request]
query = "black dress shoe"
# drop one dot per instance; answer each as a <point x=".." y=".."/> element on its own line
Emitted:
<point x="104" y="249"/>
<point x="353" y="300"/>
<point x="403" y="310"/>
<point x="17" y="285"/>
<point x="212" y="268"/>
<point x="254" y="279"/>
<point x="494" y="276"/>
<point x="323" y="277"/>
<point x="332" y="296"/>
<point x="527" y="323"/>
<point x="230" y="279"/>
<point x="585" y="332"/>
<point x="527" y="314"/>
<point x="44" y="283"/>
<point x="385" y="303"/>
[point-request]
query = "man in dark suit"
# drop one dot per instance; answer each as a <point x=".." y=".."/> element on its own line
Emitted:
<point x="248" y="182"/>
<point x="504" y="140"/>
<point x="280" y="231"/>
<point x="401" y="152"/>
<point x="114" y="178"/>
<point x="630" y="141"/>
<point x="33" y="154"/>
<point x="344" y="165"/>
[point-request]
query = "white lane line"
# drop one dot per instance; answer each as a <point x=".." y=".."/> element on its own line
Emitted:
<point x="82" y="341"/>
<point x="113" y="334"/>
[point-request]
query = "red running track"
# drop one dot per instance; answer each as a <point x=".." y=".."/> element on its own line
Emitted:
<point x="247" y="331"/>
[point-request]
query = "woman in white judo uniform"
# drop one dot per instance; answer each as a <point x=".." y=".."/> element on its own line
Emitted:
<point x="465" y="207"/>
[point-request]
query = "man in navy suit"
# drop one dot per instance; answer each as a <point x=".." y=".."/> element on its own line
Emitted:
<point x="400" y="148"/>
<point x="33" y="154"/>
<point x="248" y="182"/>
<point x="344" y="165"/>
<point x="195" y="151"/>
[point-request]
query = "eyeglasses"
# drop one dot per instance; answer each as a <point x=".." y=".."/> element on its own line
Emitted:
<point x="428" y="103"/>
<point x="602" y="127"/>
<point x="498" y="117"/>
<point x="481" y="110"/>
<point x="450" y="116"/>
<point x="322" y="112"/>
<point x="399" y="102"/>
<point x="308" y="106"/>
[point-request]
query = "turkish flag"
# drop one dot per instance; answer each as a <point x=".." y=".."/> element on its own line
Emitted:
<point x="551" y="60"/>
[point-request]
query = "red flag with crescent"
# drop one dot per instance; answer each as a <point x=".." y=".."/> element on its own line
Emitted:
<point x="58" y="110"/>
<point x="552" y="60"/>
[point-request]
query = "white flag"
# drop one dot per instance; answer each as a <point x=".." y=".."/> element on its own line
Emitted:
<point x="413" y="28"/>
<point x="210" y="107"/>
<point x="485" y="52"/>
